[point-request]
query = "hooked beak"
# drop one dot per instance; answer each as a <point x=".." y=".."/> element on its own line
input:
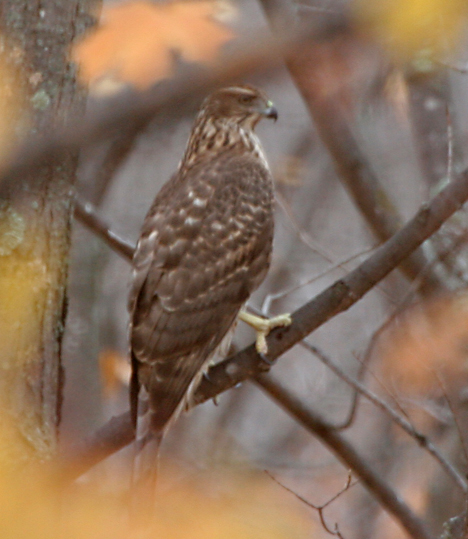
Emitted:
<point x="270" y="111"/>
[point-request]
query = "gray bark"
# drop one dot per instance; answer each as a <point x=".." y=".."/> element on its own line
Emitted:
<point x="35" y="213"/>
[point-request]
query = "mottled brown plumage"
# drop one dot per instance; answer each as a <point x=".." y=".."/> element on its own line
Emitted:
<point x="205" y="246"/>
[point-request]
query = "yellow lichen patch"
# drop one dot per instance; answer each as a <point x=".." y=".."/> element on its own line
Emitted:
<point x="12" y="228"/>
<point x="23" y="285"/>
<point x="26" y="290"/>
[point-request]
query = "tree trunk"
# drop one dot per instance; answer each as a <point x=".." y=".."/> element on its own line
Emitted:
<point x="35" y="218"/>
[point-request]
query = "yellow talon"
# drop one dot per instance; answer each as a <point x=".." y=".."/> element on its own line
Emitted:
<point x="263" y="326"/>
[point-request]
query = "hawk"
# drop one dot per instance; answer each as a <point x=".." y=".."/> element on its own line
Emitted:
<point x="204" y="247"/>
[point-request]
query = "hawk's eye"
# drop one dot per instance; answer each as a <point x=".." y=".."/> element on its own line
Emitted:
<point x="246" y="99"/>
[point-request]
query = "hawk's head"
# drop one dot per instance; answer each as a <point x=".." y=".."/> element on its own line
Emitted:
<point x="226" y="121"/>
<point x="243" y="105"/>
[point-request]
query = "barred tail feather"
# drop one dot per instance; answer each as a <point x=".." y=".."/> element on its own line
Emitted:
<point x="145" y="462"/>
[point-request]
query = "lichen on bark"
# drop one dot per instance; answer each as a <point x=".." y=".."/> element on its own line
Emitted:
<point x="35" y="215"/>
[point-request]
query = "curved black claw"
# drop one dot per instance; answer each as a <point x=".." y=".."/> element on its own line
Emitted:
<point x="207" y="377"/>
<point x="265" y="360"/>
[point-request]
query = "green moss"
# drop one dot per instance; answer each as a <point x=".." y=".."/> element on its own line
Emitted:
<point x="40" y="100"/>
<point x="12" y="230"/>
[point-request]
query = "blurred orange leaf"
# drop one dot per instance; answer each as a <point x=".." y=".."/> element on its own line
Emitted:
<point x="136" y="41"/>
<point x="115" y="371"/>
<point x="428" y="340"/>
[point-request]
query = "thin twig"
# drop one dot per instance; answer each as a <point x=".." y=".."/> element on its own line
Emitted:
<point x="355" y="401"/>
<point x="303" y="236"/>
<point x="449" y="142"/>
<point x="333" y="300"/>
<point x="319" y="508"/>
<point x="420" y="438"/>
<point x="381" y="491"/>
<point x="311" y="70"/>
<point x="270" y="298"/>
<point x="86" y="213"/>
<point x="455" y="417"/>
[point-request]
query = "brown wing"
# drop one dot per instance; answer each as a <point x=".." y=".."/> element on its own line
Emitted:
<point x="205" y="247"/>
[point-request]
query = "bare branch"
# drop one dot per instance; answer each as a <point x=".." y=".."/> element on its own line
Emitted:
<point x="309" y="419"/>
<point x="311" y="70"/>
<point x="114" y="435"/>
<point x="172" y="99"/>
<point x="333" y="300"/>
<point x="86" y="213"/>
<point x="420" y="438"/>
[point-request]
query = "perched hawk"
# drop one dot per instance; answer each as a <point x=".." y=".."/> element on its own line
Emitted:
<point x="205" y="246"/>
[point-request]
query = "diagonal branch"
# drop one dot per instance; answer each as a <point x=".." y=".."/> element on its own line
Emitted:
<point x="108" y="439"/>
<point x="325" y="76"/>
<point x="333" y="300"/>
<point x="86" y="213"/>
<point x="344" y="293"/>
<point x="169" y="99"/>
<point x="309" y="419"/>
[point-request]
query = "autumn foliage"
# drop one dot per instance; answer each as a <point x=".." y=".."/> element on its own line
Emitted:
<point x="417" y="364"/>
<point x="225" y="504"/>
<point x="137" y="42"/>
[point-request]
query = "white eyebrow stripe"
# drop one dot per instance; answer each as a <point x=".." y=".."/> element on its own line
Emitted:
<point x="245" y="91"/>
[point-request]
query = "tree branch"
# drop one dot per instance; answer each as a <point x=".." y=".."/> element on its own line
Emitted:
<point x="86" y="213"/>
<point x="320" y="508"/>
<point x="170" y="99"/>
<point x="346" y="454"/>
<point x="110" y="438"/>
<point x="403" y="423"/>
<point x="333" y="300"/>
<point x="343" y="293"/>
<point x="316" y="70"/>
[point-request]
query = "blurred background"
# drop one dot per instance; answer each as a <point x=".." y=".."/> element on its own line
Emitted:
<point x="391" y="90"/>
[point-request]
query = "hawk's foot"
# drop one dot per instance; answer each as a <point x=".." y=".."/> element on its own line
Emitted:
<point x="263" y="326"/>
